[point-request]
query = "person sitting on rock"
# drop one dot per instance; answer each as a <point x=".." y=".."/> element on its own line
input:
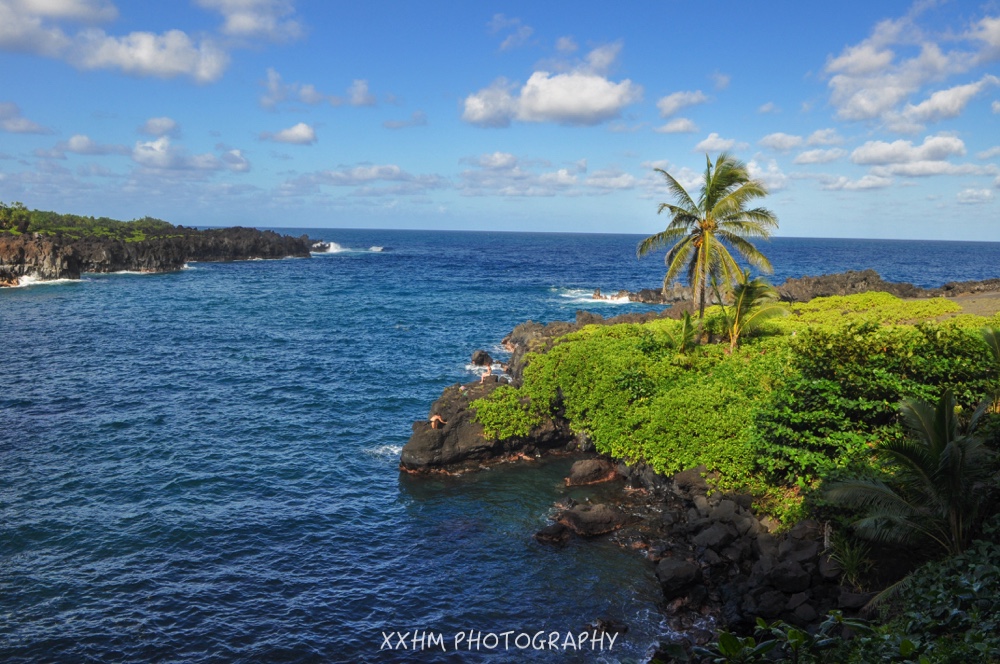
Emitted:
<point x="437" y="421"/>
<point x="488" y="371"/>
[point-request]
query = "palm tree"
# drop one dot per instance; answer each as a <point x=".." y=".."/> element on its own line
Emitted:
<point x="754" y="302"/>
<point x="702" y="232"/>
<point x="936" y="492"/>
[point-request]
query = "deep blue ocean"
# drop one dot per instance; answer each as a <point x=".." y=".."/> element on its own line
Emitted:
<point x="202" y="466"/>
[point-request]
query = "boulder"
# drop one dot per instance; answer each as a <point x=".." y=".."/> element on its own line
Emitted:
<point x="592" y="520"/>
<point x="591" y="471"/>
<point x="481" y="358"/>
<point x="715" y="537"/>
<point x="789" y="577"/>
<point x="676" y="576"/>
<point x="555" y="534"/>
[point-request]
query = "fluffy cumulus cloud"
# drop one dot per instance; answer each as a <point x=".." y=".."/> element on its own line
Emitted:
<point x="298" y="134"/>
<point x="769" y="173"/>
<point x="820" y="156"/>
<point x="161" y="126"/>
<point x="781" y="142"/>
<point x="880" y="78"/>
<point x="824" y="137"/>
<point x="33" y="26"/>
<point x="715" y="143"/>
<point x="934" y="148"/>
<point x="678" y="126"/>
<point x="13" y="121"/>
<point x="161" y="155"/>
<point x="581" y="96"/>
<point x="273" y="20"/>
<point x="769" y="107"/>
<point x="974" y="196"/>
<point x="676" y="101"/>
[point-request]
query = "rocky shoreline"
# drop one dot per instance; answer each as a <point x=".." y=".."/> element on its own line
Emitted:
<point x="719" y="564"/>
<point x="49" y="257"/>
<point x="803" y="289"/>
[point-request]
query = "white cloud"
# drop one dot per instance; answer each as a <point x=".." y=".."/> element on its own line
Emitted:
<point x="367" y="180"/>
<point x="847" y="184"/>
<point x="611" y="179"/>
<point x="824" y="137"/>
<point x="162" y="126"/>
<point x="674" y="102"/>
<point x="771" y="175"/>
<point x="781" y="142"/>
<point x="89" y="11"/>
<point x="12" y="121"/>
<point x="720" y="80"/>
<point x="678" y="126"/>
<point x="715" y="143"/>
<point x="769" y="107"/>
<point x="168" y="55"/>
<point x="358" y="94"/>
<point x="995" y="106"/>
<point x="504" y="174"/>
<point x="518" y="33"/>
<point x="273" y="20"/>
<point x="820" y="156"/>
<point x="947" y="103"/>
<point x="81" y="144"/>
<point x="417" y="119"/>
<point x="974" y="196"/>
<point x="934" y="148"/>
<point x="927" y="168"/>
<point x="583" y="96"/>
<point x="989" y="154"/>
<point x="566" y="45"/>
<point x="277" y="91"/>
<point x="161" y="155"/>
<point x="299" y="134"/>
<point x="871" y="80"/>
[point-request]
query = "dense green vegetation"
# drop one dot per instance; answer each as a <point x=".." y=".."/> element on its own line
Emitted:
<point x="859" y="410"/>
<point x="806" y="399"/>
<point x="17" y="219"/>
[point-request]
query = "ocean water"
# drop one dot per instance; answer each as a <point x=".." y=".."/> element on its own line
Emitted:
<point x="202" y="466"/>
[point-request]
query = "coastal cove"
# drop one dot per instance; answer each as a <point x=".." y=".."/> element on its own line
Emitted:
<point x="205" y="462"/>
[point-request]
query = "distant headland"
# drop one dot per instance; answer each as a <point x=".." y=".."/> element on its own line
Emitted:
<point x="47" y="245"/>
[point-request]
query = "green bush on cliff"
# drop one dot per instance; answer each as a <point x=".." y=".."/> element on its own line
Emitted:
<point x="504" y="414"/>
<point x="16" y="218"/>
<point x="807" y="397"/>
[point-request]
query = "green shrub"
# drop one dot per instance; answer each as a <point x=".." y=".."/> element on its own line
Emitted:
<point x="504" y="414"/>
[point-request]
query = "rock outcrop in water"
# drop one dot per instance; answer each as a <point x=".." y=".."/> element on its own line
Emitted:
<point x="48" y="257"/>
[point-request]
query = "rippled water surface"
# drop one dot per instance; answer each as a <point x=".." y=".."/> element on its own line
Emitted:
<point x="202" y="466"/>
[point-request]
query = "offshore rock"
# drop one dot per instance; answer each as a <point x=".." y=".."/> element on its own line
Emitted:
<point x="806" y="288"/>
<point x="592" y="520"/>
<point x="460" y="442"/>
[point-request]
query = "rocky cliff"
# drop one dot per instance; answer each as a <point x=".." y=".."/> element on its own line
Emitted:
<point x="53" y="257"/>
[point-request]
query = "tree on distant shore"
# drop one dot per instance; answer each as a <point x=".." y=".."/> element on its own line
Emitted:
<point x="702" y="232"/>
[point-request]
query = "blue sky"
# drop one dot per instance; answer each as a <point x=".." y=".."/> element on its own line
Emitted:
<point x="865" y="119"/>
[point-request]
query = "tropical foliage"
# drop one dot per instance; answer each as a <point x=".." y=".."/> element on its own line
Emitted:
<point x="781" y="412"/>
<point x="754" y="303"/>
<point x="18" y="219"/>
<point x="935" y="491"/>
<point x="701" y="232"/>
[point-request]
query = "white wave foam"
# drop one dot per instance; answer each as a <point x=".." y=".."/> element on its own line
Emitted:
<point x="582" y="296"/>
<point x="32" y="280"/>
<point x="384" y="451"/>
<point x="375" y="248"/>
